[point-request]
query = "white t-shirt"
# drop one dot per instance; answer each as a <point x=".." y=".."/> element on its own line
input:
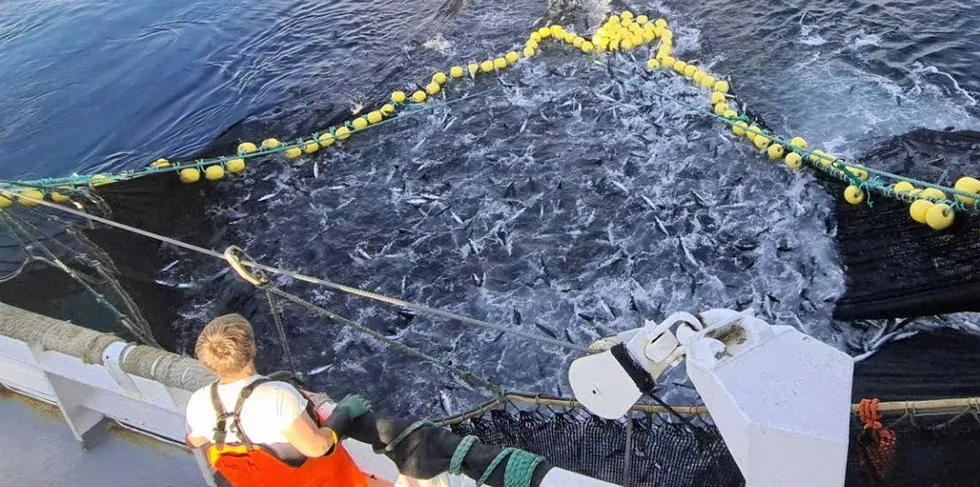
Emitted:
<point x="270" y="409"/>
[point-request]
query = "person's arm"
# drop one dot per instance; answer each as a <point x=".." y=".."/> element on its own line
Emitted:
<point x="198" y="422"/>
<point x="303" y="433"/>
<point x="310" y="440"/>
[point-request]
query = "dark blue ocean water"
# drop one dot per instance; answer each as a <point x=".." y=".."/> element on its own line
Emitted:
<point x="525" y="207"/>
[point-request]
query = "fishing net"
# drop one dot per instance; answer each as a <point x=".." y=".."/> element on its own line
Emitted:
<point x="917" y="448"/>
<point x="895" y="267"/>
<point x="67" y="268"/>
<point x="662" y="450"/>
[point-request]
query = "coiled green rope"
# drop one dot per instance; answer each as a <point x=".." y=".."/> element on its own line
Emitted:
<point x="519" y="471"/>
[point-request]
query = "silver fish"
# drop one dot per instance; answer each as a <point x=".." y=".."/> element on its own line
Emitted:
<point x="621" y="186"/>
<point x="661" y="225"/>
<point x="456" y="217"/>
<point x="445" y="402"/>
<point x="687" y="253"/>
<point x="474" y="247"/>
<point x="648" y="202"/>
<point x="320" y="370"/>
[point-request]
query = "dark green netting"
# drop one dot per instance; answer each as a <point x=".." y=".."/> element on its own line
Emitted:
<point x="931" y="450"/>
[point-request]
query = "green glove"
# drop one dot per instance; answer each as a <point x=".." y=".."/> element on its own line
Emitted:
<point x="346" y="411"/>
<point x="354" y="405"/>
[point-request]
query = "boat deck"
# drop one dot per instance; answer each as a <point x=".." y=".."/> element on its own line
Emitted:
<point x="38" y="449"/>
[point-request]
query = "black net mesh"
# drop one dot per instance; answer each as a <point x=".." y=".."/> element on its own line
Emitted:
<point x="895" y="267"/>
<point x="929" y="450"/>
<point x="898" y="268"/>
<point x="664" y="450"/>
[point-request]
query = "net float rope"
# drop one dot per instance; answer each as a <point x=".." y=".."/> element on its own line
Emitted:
<point x="930" y="204"/>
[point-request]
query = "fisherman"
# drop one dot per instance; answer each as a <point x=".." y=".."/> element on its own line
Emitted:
<point x="262" y="432"/>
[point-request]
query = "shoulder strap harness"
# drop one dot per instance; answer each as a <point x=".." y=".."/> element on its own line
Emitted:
<point x="221" y="428"/>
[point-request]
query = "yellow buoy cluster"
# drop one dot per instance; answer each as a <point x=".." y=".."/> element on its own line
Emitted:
<point x="559" y="34"/>
<point x="624" y="32"/>
<point x="215" y="172"/>
<point x="930" y="205"/>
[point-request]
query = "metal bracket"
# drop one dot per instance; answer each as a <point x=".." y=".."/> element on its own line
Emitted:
<point x="656" y="347"/>
<point x="236" y="258"/>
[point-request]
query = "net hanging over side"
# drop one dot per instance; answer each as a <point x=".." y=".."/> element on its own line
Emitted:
<point x="922" y="449"/>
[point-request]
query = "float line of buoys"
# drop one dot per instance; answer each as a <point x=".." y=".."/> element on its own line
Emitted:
<point x="620" y="32"/>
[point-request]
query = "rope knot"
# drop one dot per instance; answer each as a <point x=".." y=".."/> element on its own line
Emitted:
<point x="869" y="414"/>
<point x="866" y="187"/>
<point x="876" y="444"/>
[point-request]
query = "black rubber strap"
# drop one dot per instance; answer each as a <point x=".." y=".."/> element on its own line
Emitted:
<point x="641" y="378"/>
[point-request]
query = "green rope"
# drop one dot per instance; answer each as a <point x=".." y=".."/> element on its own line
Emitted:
<point x="506" y="452"/>
<point x="456" y="462"/>
<point x="519" y="471"/>
<point x="30" y="184"/>
<point x="411" y="109"/>
<point x="520" y="468"/>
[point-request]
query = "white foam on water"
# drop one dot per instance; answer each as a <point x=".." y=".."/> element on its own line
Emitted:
<point x="865" y="40"/>
<point x="437" y="43"/>
<point x="809" y="35"/>
<point x="839" y="107"/>
<point x="922" y="72"/>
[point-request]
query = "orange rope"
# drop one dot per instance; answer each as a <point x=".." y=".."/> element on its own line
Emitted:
<point x="869" y="414"/>
<point x="877" y="444"/>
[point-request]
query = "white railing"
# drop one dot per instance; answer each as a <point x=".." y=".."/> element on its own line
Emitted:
<point x="96" y="379"/>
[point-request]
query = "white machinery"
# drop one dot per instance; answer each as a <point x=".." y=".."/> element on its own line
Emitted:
<point x="781" y="399"/>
